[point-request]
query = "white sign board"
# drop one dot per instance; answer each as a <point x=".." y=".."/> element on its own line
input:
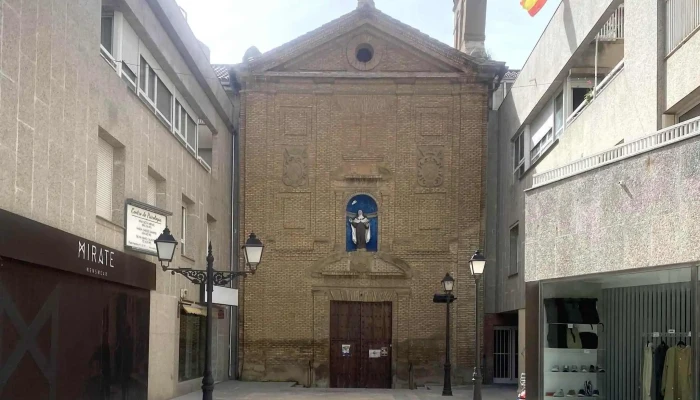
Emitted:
<point x="375" y="353"/>
<point x="142" y="228"/>
<point x="224" y="296"/>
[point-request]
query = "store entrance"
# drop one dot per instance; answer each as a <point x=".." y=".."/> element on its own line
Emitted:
<point x="505" y="354"/>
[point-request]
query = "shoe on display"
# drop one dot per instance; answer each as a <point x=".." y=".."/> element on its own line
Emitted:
<point x="584" y="368"/>
<point x="600" y="369"/>
<point x="571" y="393"/>
<point x="588" y="388"/>
<point x="574" y="368"/>
<point x="566" y="369"/>
<point x="581" y="393"/>
<point x="559" y="393"/>
<point x="591" y="368"/>
<point x="596" y="393"/>
<point x="549" y="394"/>
<point x="555" y="369"/>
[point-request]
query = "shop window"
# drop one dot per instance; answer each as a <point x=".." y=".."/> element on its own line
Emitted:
<point x="514" y="250"/>
<point x="612" y="336"/>
<point x="192" y="340"/>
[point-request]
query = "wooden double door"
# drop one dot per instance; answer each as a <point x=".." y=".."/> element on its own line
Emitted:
<point x="360" y="340"/>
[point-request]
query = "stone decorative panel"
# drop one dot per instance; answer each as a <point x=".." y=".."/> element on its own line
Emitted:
<point x="429" y="213"/>
<point x="295" y="121"/>
<point x="432" y="121"/>
<point x="295" y="172"/>
<point x="296" y="211"/>
<point x="430" y="166"/>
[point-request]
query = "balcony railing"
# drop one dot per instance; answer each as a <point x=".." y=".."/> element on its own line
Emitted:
<point x="657" y="139"/>
<point x="614" y="28"/>
<point x="682" y="20"/>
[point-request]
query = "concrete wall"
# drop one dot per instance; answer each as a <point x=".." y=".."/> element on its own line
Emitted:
<point x="683" y="76"/>
<point x="639" y="212"/>
<point x="56" y="94"/>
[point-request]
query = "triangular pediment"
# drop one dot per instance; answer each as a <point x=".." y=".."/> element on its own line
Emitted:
<point x="361" y="263"/>
<point x="396" y="47"/>
<point x="388" y="55"/>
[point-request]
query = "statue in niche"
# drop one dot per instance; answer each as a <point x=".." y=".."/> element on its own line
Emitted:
<point x="362" y="230"/>
<point x="361" y="233"/>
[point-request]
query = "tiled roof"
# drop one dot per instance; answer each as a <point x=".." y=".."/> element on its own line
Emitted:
<point x="511" y="74"/>
<point x="221" y="71"/>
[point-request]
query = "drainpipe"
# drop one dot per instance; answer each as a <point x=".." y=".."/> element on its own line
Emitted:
<point x="595" y="67"/>
<point x="235" y="233"/>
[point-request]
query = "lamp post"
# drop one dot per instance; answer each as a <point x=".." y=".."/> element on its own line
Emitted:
<point x="447" y="285"/>
<point x="253" y="248"/>
<point x="476" y="265"/>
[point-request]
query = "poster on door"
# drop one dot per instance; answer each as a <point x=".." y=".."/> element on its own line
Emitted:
<point x="375" y="353"/>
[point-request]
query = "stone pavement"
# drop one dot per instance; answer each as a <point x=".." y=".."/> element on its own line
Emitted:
<point x="235" y="390"/>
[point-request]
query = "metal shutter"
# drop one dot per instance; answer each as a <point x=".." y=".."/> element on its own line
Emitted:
<point x="151" y="191"/>
<point x="105" y="165"/>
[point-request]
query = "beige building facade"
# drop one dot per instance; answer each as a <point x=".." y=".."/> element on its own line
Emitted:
<point x="364" y="112"/>
<point x="100" y="103"/>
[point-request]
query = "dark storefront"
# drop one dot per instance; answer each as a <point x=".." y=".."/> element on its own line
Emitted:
<point x="74" y="316"/>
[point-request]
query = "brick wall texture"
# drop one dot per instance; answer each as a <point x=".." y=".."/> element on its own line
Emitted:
<point x="416" y="145"/>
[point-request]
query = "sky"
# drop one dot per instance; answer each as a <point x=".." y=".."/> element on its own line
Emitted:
<point x="230" y="27"/>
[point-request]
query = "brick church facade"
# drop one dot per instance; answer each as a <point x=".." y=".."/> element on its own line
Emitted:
<point x="363" y="112"/>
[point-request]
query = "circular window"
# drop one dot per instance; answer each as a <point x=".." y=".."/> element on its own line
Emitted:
<point x="364" y="53"/>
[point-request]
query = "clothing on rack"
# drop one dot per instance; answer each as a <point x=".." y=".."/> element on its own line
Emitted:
<point x="676" y="383"/>
<point x="659" y="361"/>
<point x="647" y="366"/>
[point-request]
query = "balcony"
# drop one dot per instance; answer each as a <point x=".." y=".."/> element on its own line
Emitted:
<point x="614" y="28"/>
<point x="644" y="144"/>
<point x="682" y="20"/>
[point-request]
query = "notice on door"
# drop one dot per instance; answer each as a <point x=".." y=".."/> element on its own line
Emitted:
<point x="375" y="353"/>
<point x="143" y="226"/>
<point x="345" y="348"/>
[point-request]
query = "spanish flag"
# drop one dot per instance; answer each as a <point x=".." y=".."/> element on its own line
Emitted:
<point x="532" y="6"/>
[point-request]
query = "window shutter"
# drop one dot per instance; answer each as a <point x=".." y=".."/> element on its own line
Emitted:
<point x="151" y="191"/>
<point x="105" y="165"/>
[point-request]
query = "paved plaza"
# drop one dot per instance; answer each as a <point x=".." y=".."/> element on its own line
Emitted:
<point x="235" y="390"/>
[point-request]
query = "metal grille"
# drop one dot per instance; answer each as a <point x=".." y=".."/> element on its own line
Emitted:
<point x="631" y="315"/>
<point x="505" y="355"/>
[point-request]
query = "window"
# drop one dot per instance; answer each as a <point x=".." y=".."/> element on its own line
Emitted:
<point x="151" y="190"/>
<point x="185" y="127"/>
<point x="183" y="230"/>
<point x="514" y="253"/>
<point x="541" y="146"/>
<point x="105" y="173"/>
<point x="204" y="143"/>
<point x="165" y="101"/>
<point x="578" y="96"/>
<point x="559" y="114"/>
<point x="107" y="37"/>
<point x="192" y="337"/>
<point x="107" y="31"/>
<point x="519" y="155"/>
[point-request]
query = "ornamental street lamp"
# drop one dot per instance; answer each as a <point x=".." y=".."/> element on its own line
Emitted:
<point x="476" y="265"/>
<point x="253" y="249"/>
<point x="447" y="285"/>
